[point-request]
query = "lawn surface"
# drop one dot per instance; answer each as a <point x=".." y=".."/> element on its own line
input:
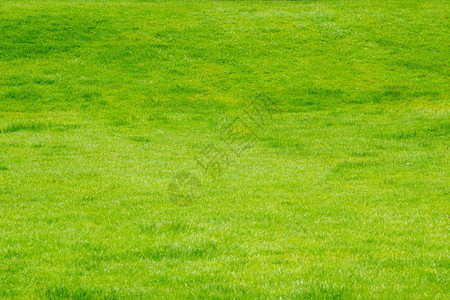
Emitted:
<point x="108" y="110"/>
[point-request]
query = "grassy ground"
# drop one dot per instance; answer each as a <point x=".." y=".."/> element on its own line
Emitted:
<point x="343" y="193"/>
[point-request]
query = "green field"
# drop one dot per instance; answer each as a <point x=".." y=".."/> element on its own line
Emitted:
<point x="123" y="171"/>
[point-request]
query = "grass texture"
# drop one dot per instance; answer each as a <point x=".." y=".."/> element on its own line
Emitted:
<point x="106" y="108"/>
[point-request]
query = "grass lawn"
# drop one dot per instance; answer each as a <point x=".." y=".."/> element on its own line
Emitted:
<point x="224" y="149"/>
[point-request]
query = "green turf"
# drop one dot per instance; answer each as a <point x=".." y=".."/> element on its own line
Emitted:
<point x="343" y="193"/>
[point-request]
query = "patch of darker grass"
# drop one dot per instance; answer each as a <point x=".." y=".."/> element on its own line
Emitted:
<point x="87" y="198"/>
<point x="165" y="227"/>
<point x="139" y="139"/>
<point x="36" y="127"/>
<point x="356" y="165"/>
<point x="352" y="170"/>
<point x="64" y="127"/>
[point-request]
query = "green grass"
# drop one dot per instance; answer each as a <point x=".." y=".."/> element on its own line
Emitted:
<point x="344" y="195"/>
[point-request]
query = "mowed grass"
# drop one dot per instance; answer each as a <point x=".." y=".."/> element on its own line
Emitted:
<point x="344" y="194"/>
